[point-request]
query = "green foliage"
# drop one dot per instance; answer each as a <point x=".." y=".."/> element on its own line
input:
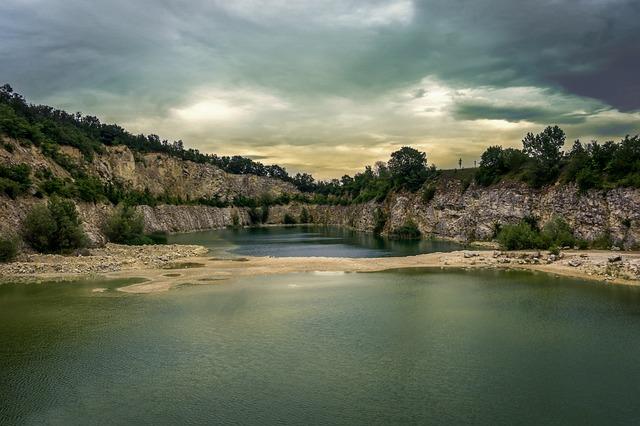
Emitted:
<point x="304" y="216"/>
<point x="126" y="226"/>
<point x="409" y="230"/>
<point x="235" y="219"/>
<point x="379" y="221"/>
<point x="289" y="220"/>
<point x="603" y="241"/>
<point x="557" y="232"/>
<point x="541" y="162"/>
<point x="14" y="179"/>
<point x="544" y="152"/>
<point x="408" y="168"/>
<point x="582" y="244"/>
<point x="54" y="228"/>
<point x="428" y="193"/>
<point x="8" y="249"/>
<point x="265" y="213"/>
<point x="255" y="216"/>
<point x="526" y="235"/>
<point x="90" y="188"/>
<point x="519" y="237"/>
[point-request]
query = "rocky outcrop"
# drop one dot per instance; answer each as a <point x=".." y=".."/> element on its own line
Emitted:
<point x="457" y="211"/>
<point x="157" y="173"/>
<point x="161" y="173"/>
<point x="454" y="213"/>
<point x="473" y="213"/>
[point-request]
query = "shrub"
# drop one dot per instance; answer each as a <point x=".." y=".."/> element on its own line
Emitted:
<point x="304" y="216"/>
<point x="602" y="242"/>
<point x="90" y="189"/>
<point x="518" y="237"/>
<point x="265" y="214"/>
<point x="54" y="228"/>
<point x="557" y="232"/>
<point x="14" y="179"/>
<point x="379" y="221"/>
<point x="289" y="220"/>
<point x="254" y="215"/>
<point x="407" y="231"/>
<point x="428" y="193"/>
<point x="125" y="226"/>
<point x="8" y="249"/>
<point x="235" y="219"/>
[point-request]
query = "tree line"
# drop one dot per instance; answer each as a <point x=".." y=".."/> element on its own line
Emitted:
<point x="542" y="161"/>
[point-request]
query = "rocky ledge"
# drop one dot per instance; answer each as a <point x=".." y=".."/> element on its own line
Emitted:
<point x="110" y="258"/>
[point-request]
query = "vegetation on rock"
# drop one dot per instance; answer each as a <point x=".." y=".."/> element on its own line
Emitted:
<point x="409" y="230"/>
<point x="54" y="227"/>
<point x="126" y="226"/>
<point x="542" y="162"/>
<point x="8" y="249"/>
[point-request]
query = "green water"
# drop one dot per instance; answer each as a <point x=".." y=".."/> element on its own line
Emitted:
<point x="402" y="347"/>
<point x="309" y="240"/>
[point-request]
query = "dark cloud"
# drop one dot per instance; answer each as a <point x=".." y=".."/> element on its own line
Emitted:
<point x="541" y="115"/>
<point x="342" y="70"/>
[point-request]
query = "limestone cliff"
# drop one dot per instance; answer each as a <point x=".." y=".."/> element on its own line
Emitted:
<point x="457" y="211"/>
<point x="156" y="172"/>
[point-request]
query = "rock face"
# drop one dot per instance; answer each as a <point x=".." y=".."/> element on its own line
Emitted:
<point x="161" y="173"/>
<point x="457" y="211"/>
<point x="472" y="213"/>
<point x="158" y="173"/>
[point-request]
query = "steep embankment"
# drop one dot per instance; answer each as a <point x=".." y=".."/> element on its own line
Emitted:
<point x="457" y="211"/>
<point x="472" y="212"/>
<point x="158" y="174"/>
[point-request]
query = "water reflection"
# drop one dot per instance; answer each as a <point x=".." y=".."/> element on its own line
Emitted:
<point x="325" y="241"/>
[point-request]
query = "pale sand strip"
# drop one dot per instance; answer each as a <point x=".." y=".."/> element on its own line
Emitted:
<point x="595" y="265"/>
<point x="166" y="267"/>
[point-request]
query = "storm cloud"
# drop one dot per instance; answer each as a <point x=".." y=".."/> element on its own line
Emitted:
<point x="297" y="81"/>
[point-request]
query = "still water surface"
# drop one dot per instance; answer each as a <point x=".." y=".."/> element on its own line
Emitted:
<point x="401" y="347"/>
<point x="302" y="240"/>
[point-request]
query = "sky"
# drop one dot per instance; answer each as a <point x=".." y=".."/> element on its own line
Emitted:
<point x="330" y="86"/>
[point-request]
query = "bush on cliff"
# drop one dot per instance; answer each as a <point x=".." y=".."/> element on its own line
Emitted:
<point x="557" y="232"/>
<point x="520" y="236"/>
<point x="8" y="249"/>
<point x="54" y="228"/>
<point x="407" y="231"/>
<point x="526" y="235"/>
<point x="126" y="226"/>
<point x="289" y="220"/>
<point x="305" y="217"/>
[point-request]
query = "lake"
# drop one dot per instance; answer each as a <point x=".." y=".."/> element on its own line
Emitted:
<point x="401" y="347"/>
<point x="302" y="240"/>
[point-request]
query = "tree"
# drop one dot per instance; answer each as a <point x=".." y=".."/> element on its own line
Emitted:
<point x="53" y="228"/>
<point x="545" y="146"/>
<point x="126" y="226"/>
<point x="408" y="168"/>
<point x="544" y="149"/>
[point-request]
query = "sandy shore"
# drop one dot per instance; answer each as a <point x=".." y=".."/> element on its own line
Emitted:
<point x="166" y="267"/>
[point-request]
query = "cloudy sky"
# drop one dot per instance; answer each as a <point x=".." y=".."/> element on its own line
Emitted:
<point x="330" y="86"/>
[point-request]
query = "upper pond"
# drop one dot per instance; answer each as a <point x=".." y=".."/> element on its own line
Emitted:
<point x="400" y="347"/>
<point x="325" y="241"/>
